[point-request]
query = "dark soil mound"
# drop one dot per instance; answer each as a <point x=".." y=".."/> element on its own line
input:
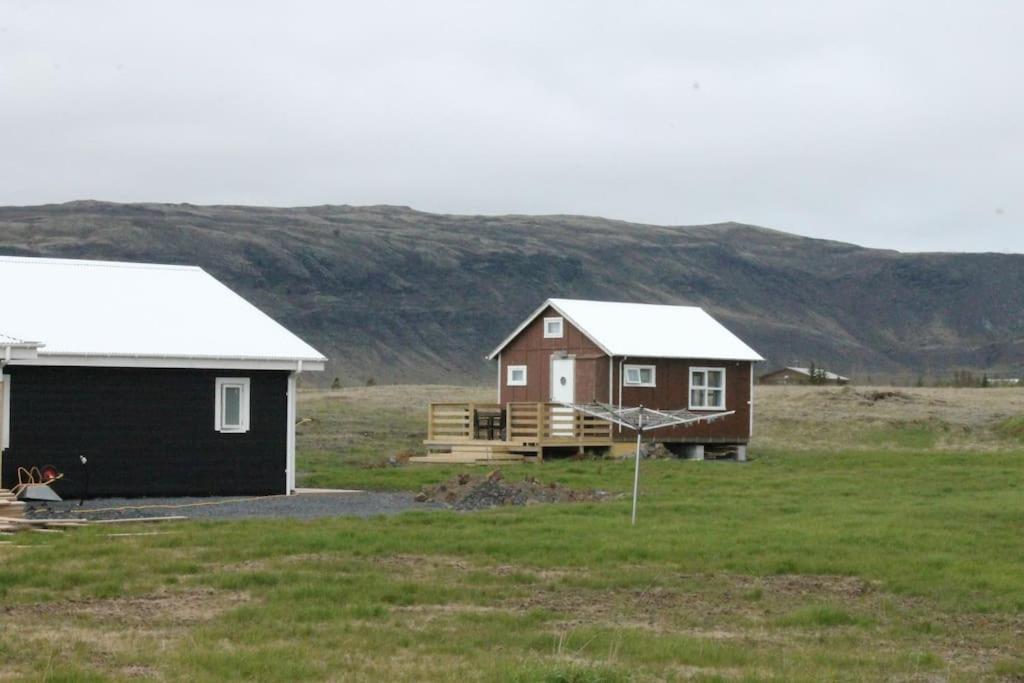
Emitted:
<point x="477" y="492"/>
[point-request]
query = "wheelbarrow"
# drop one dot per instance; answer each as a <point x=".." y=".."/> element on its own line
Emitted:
<point x="34" y="483"/>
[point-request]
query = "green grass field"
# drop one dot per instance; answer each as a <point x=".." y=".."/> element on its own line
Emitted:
<point x="882" y="557"/>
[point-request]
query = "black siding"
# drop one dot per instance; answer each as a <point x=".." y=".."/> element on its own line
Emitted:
<point x="145" y="432"/>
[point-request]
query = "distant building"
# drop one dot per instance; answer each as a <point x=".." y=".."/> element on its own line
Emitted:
<point x="1004" y="381"/>
<point x="797" y="375"/>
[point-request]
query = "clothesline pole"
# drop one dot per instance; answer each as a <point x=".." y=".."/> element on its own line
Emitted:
<point x="636" y="469"/>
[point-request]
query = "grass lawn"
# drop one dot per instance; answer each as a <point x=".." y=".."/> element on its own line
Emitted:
<point x="880" y="557"/>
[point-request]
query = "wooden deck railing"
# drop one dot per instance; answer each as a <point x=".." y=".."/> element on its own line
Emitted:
<point x="453" y="420"/>
<point x="548" y="423"/>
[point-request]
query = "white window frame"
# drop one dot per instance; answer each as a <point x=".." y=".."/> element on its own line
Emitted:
<point x="243" y="408"/>
<point x="561" y="328"/>
<point x="512" y="382"/>
<point x="639" y="369"/>
<point x="691" y="386"/>
<point x="5" y="417"/>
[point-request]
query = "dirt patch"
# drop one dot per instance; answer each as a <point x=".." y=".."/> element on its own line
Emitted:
<point x="181" y="607"/>
<point x="889" y="395"/>
<point x="478" y="492"/>
<point x="795" y="586"/>
<point x="109" y="634"/>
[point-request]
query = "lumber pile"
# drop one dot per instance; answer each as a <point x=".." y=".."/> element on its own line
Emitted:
<point x="10" y="525"/>
<point x="10" y="506"/>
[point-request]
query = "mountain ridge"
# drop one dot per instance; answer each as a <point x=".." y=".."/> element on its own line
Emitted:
<point x="394" y="294"/>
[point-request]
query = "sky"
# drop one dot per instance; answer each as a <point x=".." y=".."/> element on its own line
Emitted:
<point x="895" y="125"/>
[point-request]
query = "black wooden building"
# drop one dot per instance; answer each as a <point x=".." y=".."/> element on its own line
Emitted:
<point x="163" y="380"/>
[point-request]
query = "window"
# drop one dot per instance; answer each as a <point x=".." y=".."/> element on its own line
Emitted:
<point x="517" y="375"/>
<point x="639" y="375"/>
<point x="707" y="388"/>
<point x="552" y="328"/>
<point x="231" y="412"/>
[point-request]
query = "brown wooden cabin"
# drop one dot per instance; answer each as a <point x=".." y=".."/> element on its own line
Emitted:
<point x="574" y="351"/>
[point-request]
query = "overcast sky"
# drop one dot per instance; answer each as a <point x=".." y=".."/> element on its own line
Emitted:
<point x="890" y="124"/>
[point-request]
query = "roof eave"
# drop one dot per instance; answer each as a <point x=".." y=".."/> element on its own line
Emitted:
<point x="310" y="363"/>
<point x="742" y="359"/>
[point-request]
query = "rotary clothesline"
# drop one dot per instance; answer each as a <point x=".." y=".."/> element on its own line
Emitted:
<point x="641" y="419"/>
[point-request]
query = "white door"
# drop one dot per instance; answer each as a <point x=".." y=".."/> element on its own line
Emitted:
<point x="563" y="390"/>
<point x="563" y="380"/>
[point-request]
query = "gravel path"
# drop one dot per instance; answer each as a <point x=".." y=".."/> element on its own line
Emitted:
<point x="302" y="506"/>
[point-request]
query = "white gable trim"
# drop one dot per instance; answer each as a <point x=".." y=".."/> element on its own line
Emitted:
<point x="533" y="316"/>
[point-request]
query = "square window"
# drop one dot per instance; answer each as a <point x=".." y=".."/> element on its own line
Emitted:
<point x="516" y="376"/>
<point x="231" y="406"/>
<point x="639" y="375"/>
<point x="553" y="328"/>
<point x="707" y="388"/>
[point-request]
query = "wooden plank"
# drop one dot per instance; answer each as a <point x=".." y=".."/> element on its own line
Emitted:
<point x="169" y="518"/>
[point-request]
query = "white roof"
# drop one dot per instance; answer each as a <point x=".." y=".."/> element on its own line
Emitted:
<point x="647" y="330"/>
<point x="141" y="311"/>
<point x="827" y="374"/>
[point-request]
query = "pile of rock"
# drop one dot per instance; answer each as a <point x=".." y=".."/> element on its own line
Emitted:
<point x="477" y="492"/>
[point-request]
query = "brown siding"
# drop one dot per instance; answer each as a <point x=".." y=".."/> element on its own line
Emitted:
<point x="530" y="348"/>
<point x="672" y="377"/>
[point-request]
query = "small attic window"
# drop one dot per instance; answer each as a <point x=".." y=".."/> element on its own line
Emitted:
<point x="553" y="328"/>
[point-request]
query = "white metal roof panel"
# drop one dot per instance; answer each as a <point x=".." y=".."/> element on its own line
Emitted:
<point x="102" y="308"/>
<point x="648" y="330"/>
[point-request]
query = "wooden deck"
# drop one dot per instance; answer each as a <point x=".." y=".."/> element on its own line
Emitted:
<point x="530" y="428"/>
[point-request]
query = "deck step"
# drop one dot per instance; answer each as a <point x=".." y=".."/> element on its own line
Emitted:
<point x="447" y="459"/>
<point x="463" y="454"/>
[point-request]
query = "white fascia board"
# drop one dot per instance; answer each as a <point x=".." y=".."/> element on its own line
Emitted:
<point x="203" y="363"/>
<point x="13" y="352"/>
<point x="533" y="316"/>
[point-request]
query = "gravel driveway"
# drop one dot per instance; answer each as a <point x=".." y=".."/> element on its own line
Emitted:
<point x="301" y="506"/>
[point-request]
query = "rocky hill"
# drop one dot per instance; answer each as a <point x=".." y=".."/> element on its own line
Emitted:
<point x="397" y="295"/>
